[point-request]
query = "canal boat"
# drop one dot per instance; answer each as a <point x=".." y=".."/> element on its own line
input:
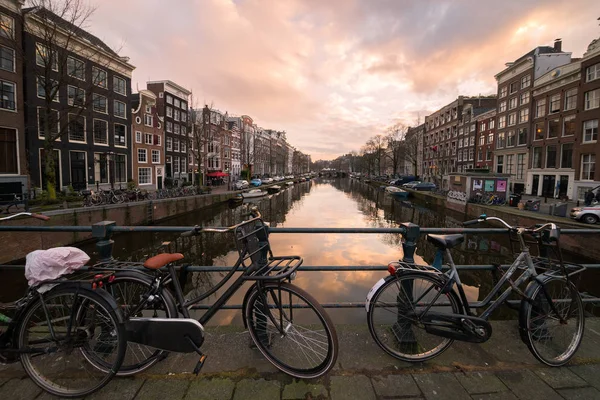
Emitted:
<point x="251" y="194"/>
<point x="274" y="189"/>
<point x="397" y="192"/>
<point x="290" y="183"/>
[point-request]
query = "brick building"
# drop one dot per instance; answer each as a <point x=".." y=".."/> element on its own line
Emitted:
<point x="486" y="131"/>
<point x="468" y="132"/>
<point x="148" y="141"/>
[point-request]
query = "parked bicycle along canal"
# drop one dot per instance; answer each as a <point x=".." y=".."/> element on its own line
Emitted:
<point x="342" y="203"/>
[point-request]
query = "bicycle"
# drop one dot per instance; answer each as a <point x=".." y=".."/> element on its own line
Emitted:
<point x="58" y="326"/>
<point x="416" y="312"/>
<point x="289" y="327"/>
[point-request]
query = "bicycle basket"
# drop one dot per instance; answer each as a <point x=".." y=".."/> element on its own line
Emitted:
<point x="252" y="242"/>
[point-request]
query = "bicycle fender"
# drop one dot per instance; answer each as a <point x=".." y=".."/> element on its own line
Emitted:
<point x="374" y="289"/>
<point x="246" y="296"/>
<point x="529" y="290"/>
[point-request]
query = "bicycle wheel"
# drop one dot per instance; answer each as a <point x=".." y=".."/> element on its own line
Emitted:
<point x="52" y="332"/>
<point x="394" y="312"/>
<point x="552" y="335"/>
<point x="128" y="289"/>
<point x="291" y="329"/>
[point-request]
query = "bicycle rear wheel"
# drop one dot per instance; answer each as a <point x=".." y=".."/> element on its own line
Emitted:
<point x="552" y="334"/>
<point x="291" y="329"/>
<point x="394" y="312"/>
<point x="53" y="331"/>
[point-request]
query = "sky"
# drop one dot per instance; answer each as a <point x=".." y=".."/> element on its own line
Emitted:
<point x="332" y="73"/>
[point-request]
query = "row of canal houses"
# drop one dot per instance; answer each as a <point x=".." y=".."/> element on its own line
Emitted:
<point x="541" y="127"/>
<point x="65" y="95"/>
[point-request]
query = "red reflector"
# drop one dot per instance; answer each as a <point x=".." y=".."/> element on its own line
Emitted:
<point x="391" y="269"/>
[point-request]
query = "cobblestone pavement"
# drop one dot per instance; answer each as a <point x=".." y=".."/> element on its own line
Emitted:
<point x="501" y="368"/>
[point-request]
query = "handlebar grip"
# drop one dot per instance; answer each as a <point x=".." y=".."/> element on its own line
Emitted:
<point x="40" y="216"/>
<point x="471" y="222"/>
<point x="193" y="232"/>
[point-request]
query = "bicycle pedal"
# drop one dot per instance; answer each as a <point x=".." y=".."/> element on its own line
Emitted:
<point x="200" y="364"/>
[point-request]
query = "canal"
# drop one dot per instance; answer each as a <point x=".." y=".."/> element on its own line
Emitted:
<point x="342" y="203"/>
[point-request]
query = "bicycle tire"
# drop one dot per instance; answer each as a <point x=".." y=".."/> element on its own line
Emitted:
<point x="138" y="357"/>
<point x="536" y="320"/>
<point x="107" y="337"/>
<point x="270" y="343"/>
<point x="392" y="326"/>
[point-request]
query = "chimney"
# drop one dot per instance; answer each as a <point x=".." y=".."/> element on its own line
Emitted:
<point x="558" y="45"/>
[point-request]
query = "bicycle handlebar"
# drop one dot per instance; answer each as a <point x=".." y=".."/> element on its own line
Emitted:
<point x="32" y="215"/>
<point x="196" y="230"/>
<point x="484" y="217"/>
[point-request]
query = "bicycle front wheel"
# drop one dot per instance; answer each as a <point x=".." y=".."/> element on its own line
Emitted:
<point x="552" y="333"/>
<point x="291" y="329"/>
<point x="394" y="316"/>
<point x="52" y="332"/>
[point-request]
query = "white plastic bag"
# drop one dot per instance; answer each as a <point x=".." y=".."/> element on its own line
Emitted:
<point x="41" y="265"/>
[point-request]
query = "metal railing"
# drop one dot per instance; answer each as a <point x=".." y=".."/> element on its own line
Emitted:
<point x="102" y="232"/>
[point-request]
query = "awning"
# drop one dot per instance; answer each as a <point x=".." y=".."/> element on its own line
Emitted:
<point x="217" y="174"/>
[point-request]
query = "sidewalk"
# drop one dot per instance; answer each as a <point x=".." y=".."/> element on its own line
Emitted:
<point x="501" y="368"/>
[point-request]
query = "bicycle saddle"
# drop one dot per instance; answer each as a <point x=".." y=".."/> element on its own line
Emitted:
<point x="445" y="241"/>
<point x="161" y="260"/>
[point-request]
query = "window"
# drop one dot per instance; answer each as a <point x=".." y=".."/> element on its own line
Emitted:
<point x="520" y="165"/>
<point x="51" y="89"/>
<point x="501" y="141"/>
<point x="554" y="104"/>
<point x="490" y="138"/>
<point x="8" y="95"/>
<point x="539" y="131"/>
<point x="502" y="122"/>
<point x="524" y="98"/>
<point x="119" y="85"/>
<point x="553" y="128"/>
<point x="481" y="140"/>
<point x="155" y="157"/>
<point x="7" y="26"/>
<point x="177" y="103"/>
<point x="471" y="154"/>
<point x="76" y="128"/>
<point x="183" y="116"/>
<point x="503" y="91"/>
<point x="142" y="155"/>
<point x="514" y="87"/>
<point x="170" y="112"/>
<point x="43" y="57"/>
<point x="148" y="120"/>
<point x="473" y="126"/>
<point x="169" y="99"/>
<point x="52" y="123"/>
<point x="566" y="155"/>
<point x="592" y="72"/>
<point x="480" y="155"/>
<point x="175" y="165"/>
<point x="169" y="144"/>
<point x="183" y="130"/>
<point x="499" y="164"/>
<point x="183" y="165"/>
<point x="100" y="103"/>
<point x="460" y="156"/>
<point x="100" y="131"/>
<point x="120" y="135"/>
<point x="169" y="126"/>
<point x="99" y="78"/>
<point x="509" y="163"/>
<point x="537" y="158"/>
<point x="540" y="108"/>
<point x="590" y="131"/>
<point x="76" y="96"/>
<point x="176" y="115"/>
<point x="176" y="145"/>
<point x="144" y="176"/>
<point x="138" y="137"/>
<point x="512" y="103"/>
<point x="157" y="140"/>
<point x="551" y="157"/>
<point x="522" y="136"/>
<point x="7" y="59"/>
<point x="525" y="81"/>
<point x="488" y="154"/>
<point x="492" y="124"/>
<point x="120" y="109"/>
<point x="523" y="115"/>
<point x="588" y="167"/>
<point x="183" y="105"/>
<point x="569" y="126"/>
<point x="101" y="167"/>
<point x="120" y="166"/>
<point x="177" y="129"/>
<point x="510" y="139"/>
<point x="183" y="146"/>
<point x="460" y="142"/>
<point x="8" y="151"/>
<point x="147" y="138"/>
<point x="571" y="99"/>
<point x="502" y="106"/>
<point x="512" y="119"/>
<point x="482" y="126"/>
<point x="592" y="99"/>
<point x="76" y="68"/>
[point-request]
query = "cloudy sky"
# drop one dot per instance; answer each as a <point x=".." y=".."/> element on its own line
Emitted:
<point x="332" y="73"/>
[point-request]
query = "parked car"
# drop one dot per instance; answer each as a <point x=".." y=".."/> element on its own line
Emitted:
<point x="289" y="177"/>
<point x="411" y="185"/>
<point x="589" y="215"/>
<point x="425" y="186"/>
<point x="256" y="182"/>
<point x="266" y="181"/>
<point x="241" y="184"/>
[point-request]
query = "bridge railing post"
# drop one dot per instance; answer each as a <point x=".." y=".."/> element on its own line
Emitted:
<point x="409" y="244"/>
<point x="102" y="231"/>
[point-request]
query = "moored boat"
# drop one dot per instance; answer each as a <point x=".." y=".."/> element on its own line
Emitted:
<point x="397" y="192"/>
<point x="253" y="193"/>
<point x="274" y="189"/>
<point x="290" y="183"/>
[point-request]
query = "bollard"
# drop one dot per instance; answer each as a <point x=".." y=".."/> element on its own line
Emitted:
<point x="102" y="232"/>
<point x="409" y="245"/>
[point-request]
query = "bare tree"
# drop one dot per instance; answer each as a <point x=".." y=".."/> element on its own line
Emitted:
<point x="411" y="151"/>
<point x="396" y="145"/>
<point x="247" y="136"/>
<point x="376" y="147"/>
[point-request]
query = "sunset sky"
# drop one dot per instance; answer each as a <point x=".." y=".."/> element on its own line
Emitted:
<point x="332" y="73"/>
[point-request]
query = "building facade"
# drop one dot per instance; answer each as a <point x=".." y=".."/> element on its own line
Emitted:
<point x="486" y="132"/>
<point x="13" y="159"/>
<point x="77" y="106"/>
<point x="148" y="141"/>
<point x="413" y="159"/>
<point x="172" y="106"/>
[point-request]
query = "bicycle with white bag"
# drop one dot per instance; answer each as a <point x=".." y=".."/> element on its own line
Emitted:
<point x="64" y="325"/>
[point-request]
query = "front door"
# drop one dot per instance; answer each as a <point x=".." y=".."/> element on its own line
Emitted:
<point x="78" y="172"/>
<point x="535" y="185"/>
<point x="548" y="186"/>
<point x="564" y="185"/>
<point x="159" y="181"/>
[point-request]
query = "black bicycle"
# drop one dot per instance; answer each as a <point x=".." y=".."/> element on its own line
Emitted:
<point x="58" y="327"/>
<point x="289" y="327"/>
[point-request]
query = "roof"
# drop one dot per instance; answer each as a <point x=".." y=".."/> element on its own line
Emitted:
<point x="173" y="84"/>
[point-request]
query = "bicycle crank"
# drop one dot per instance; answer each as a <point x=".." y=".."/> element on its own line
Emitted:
<point x="461" y="327"/>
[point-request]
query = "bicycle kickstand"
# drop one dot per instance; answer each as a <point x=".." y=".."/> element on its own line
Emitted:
<point x="200" y="363"/>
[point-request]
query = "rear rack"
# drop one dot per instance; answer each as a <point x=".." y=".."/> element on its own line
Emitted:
<point x="552" y="267"/>
<point x="116" y="265"/>
<point x="401" y="265"/>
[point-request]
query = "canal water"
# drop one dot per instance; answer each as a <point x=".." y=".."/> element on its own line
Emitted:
<point x="333" y="203"/>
